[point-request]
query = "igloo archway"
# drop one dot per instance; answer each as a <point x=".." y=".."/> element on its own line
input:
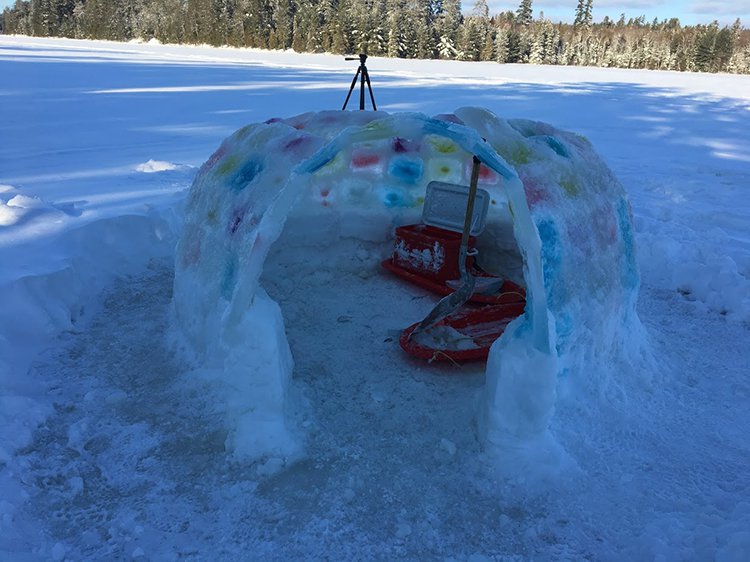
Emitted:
<point x="570" y="217"/>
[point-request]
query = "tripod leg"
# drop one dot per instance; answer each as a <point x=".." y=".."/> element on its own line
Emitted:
<point x="369" y="87"/>
<point x="351" y="88"/>
<point x="362" y="88"/>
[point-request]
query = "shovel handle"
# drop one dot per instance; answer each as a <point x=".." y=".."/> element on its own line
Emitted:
<point x="463" y="251"/>
<point x="457" y="298"/>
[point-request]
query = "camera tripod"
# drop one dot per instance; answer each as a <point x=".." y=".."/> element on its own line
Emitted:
<point x="364" y="77"/>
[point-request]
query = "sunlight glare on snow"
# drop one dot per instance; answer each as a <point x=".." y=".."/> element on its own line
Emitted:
<point x="153" y="166"/>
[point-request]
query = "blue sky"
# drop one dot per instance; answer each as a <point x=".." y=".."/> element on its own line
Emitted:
<point x="689" y="11"/>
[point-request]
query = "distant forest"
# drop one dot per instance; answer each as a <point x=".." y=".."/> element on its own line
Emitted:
<point x="395" y="28"/>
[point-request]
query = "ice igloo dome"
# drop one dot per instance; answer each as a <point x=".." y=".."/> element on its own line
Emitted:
<point x="570" y="218"/>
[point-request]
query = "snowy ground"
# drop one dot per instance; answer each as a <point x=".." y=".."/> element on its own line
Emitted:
<point x="109" y="449"/>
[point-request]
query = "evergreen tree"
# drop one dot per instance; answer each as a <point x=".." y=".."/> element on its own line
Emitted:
<point x="474" y="33"/>
<point x="404" y="28"/>
<point x="200" y="17"/>
<point x="342" y="29"/>
<point x="427" y="36"/>
<point x="524" y="13"/>
<point x="303" y="26"/>
<point x="397" y="36"/>
<point x="448" y="23"/>
<point x="589" y="13"/>
<point x="514" y="50"/>
<point x="15" y="19"/>
<point x="704" y="53"/>
<point x="723" y="46"/>
<point x="280" y="34"/>
<point x="580" y="13"/>
<point x="584" y="16"/>
<point x="740" y="61"/>
<point x="501" y="45"/>
<point x="537" y="53"/>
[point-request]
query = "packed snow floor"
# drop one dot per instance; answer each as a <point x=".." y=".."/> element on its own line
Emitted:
<point x="132" y="460"/>
<point x="124" y="455"/>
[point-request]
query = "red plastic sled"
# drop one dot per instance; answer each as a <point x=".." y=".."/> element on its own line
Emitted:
<point x="482" y="326"/>
<point x="509" y="292"/>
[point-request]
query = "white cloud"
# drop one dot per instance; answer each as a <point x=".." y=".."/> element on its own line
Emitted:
<point x="721" y="8"/>
<point x="690" y="12"/>
<point x="627" y="4"/>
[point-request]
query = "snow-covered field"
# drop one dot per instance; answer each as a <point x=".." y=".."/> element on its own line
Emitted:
<point x="110" y="448"/>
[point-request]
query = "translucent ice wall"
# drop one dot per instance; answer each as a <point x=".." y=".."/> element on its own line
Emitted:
<point x="236" y="209"/>
<point x="570" y="219"/>
<point x="582" y="218"/>
<point x="234" y="330"/>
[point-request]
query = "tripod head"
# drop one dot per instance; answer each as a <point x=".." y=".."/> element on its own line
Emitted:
<point x="362" y="58"/>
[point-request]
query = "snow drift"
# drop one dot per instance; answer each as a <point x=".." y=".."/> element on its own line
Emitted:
<point x="368" y="171"/>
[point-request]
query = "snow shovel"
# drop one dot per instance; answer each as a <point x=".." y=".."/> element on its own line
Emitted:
<point x="460" y="296"/>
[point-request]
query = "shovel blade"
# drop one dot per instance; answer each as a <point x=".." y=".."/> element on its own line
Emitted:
<point x="448" y="305"/>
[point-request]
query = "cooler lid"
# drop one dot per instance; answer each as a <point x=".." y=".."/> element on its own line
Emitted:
<point x="445" y="207"/>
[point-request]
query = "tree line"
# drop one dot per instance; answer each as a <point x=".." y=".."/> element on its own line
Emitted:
<point x="395" y="28"/>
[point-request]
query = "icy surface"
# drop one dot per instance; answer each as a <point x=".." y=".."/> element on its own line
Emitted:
<point x="123" y="448"/>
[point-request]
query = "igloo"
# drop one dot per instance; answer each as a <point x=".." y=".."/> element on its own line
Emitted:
<point x="367" y="171"/>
